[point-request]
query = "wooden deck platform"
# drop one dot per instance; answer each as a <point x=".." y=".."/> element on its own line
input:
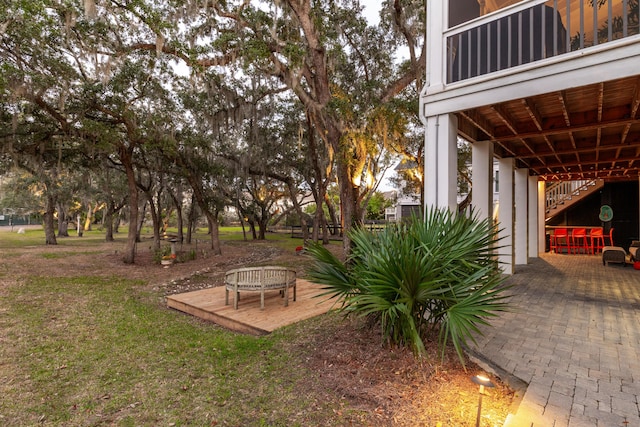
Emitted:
<point x="208" y="304"/>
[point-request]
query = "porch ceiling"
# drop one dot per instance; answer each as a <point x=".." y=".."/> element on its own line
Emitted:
<point x="580" y="133"/>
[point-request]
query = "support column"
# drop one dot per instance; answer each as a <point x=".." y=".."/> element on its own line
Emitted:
<point x="505" y="214"/>
<point x="482" y="178"/>
<point x="542" y="206"/>
<point x="441" y="162"/>
<point x="521" y="198"/>
<point x="437" y="23"/>
<point x="533" y="217"/>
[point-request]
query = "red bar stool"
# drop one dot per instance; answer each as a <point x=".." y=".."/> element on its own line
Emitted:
<point x="558" y="239"/>
<point x="597" y="240"/>
<point x="579" y="241"/>
<point x="610" y="237"/>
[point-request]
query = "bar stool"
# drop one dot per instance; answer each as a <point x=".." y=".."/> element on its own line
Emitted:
<point x="559" y="236"/>
<point x="610" y="237"/>
<point x="597" y="239"/>
<point x="579" y="241"/>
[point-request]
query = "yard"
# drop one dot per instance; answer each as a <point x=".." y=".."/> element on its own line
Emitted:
<point x="87" y="340"/>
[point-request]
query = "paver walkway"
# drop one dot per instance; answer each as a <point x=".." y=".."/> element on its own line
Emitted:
<point x="574" y="338"/>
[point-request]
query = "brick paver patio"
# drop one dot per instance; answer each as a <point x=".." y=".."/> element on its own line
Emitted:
<point x="574" y="337"/>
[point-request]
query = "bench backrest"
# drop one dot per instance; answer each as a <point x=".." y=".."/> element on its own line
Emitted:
<point x="261" y="277"/>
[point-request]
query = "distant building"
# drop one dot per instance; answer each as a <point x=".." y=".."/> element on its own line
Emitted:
<point x="405" y="206"/>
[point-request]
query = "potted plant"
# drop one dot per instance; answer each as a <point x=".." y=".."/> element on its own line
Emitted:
<point x="167" y="260"/>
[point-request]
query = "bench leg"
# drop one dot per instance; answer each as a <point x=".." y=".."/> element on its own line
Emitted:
<point x="226" y="297"/>
<point x="286" y="295"/>
<point x="262" y="299"/>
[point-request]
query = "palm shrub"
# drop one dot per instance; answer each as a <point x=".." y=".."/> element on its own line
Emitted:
<point x="439" y="273"/>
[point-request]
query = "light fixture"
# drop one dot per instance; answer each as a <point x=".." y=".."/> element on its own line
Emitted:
<point x="483" y="382"/>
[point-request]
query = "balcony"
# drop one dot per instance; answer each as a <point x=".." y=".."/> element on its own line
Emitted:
<point x="531" y="31"/>
<point x="554" y="84"/>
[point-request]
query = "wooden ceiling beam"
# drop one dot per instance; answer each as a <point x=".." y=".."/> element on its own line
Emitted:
<point x="586" y="165"/>
<point x="485" y="126"/>
<point x="583" y="150"/>
<point x="544" y="171"/>
<point x="479" y="121"/>
<point x="600" y="101"/>
<point x="508" y="121"/>
<point x="536" y="118"/>
<point x="575" y="128"/>
<point x="635" y="104"/>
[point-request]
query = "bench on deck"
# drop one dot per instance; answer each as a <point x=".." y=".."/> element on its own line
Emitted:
<point x="259" y="279"/>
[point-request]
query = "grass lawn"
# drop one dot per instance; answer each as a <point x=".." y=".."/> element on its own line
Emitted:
<point x="82" y="348"/>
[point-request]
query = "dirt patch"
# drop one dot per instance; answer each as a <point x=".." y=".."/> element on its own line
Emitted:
<point x="389" y="385"/>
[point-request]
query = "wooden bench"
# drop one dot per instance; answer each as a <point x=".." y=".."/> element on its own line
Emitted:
<point x="259" y="279"/>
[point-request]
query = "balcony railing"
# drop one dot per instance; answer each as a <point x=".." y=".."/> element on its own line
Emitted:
<point x="534" y="30"/>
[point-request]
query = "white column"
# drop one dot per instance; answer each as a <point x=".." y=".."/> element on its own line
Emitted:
<point x="533" y="217"/>
<point x="521" y="185"/>
<point x="542" y="207"/>
<point x="441" y="162"/>
<point x="482" y="178"/>
<point x="505" y="214"/>
<point x="437" y="22"/>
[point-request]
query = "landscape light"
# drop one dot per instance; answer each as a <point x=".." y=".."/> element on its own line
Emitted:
<point x="483" y="382"/>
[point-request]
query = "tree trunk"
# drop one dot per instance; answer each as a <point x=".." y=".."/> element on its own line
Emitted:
<point x="129" y="255"/>
<point x="155" y="220"/>
<point x="179" y="219"/>
<point x="321" y="185"/>
<point x="49" y="227"/>
<point x="332" y="214"/>
<point x="252" y="228"/>
<point x="261" y="229"/>
<point x="89" y="219"/>
<point x="348" y="205"/>
<point x="293" y="194"/>
<point x="212" y="219"/>
<point x="191" y="219"/>
<point x="142" y="214"/>
<point x="63" y="221"/>
<point x="263" y="223"/>
<point x="108" y="221"/>
<point x="116" y="223"/>
<point x="241" y="219"/>
<point x="325" y="230"/>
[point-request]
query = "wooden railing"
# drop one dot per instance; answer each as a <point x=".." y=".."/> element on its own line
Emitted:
<point x="560" y="192"/>
<point x="533" y="30"/>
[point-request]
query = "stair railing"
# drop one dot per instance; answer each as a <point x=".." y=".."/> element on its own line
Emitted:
<point x="558" y="193"/>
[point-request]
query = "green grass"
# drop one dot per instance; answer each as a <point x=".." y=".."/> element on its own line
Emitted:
<point x="96" y="351"/>
<point x="106" y="351"/>
<point x="35" y="237"/>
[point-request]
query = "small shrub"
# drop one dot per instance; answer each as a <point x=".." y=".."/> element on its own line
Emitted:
<point x="187" y="256"/>
<point x="163" y="253"/>
<point x="440" y="273"/>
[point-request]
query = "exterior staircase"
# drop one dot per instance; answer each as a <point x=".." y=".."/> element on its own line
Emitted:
<point x="562" y="194"/>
